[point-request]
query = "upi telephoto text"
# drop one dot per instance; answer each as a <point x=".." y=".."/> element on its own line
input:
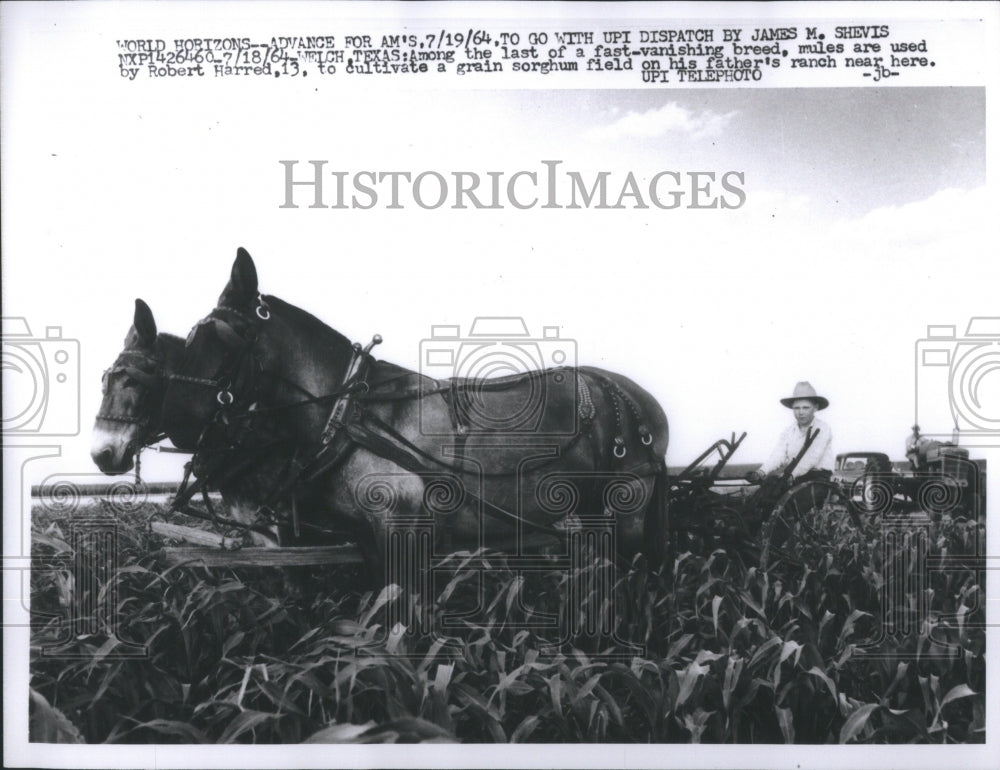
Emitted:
<point x="313" y="186"/>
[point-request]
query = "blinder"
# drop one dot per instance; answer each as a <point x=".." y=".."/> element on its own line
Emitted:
<point x="128" y="364"/>
<point x="236" y="381"/>
<point x="239" y="344"/>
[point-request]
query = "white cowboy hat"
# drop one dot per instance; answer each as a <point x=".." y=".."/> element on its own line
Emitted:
<point x="805" y="390"/>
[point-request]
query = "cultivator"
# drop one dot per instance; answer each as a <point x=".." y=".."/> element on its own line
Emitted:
<point x="767" y="523"/>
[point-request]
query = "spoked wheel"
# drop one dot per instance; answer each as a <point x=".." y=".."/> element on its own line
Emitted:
<point x="809" y="521"/>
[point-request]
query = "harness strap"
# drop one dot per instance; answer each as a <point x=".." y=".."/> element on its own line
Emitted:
<point x="450" y="397"/>
<point x="457" y="423"/>
<point x="123" y="418"/>
<point x="623" y="402"/>
<point x="437" y="463"/>
<point x="183" y="496"/>
<point x="586" y="405"/>
<point x="444" y="387"/>
<point x="355" y="378"/>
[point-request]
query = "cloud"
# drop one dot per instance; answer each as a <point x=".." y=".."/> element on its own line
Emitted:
<point x="953" y="223"/>
<point x="942" y="217"/>
<point x="670" y="118"/>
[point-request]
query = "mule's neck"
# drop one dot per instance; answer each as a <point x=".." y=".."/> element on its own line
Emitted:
<point x="312" y="337"/>
<point x="304" y="351"/>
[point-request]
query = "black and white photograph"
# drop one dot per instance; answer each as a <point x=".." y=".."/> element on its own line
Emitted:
<point x="414" y="377"/>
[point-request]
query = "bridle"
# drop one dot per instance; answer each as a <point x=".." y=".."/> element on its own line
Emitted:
<point x="246" y="367"/>
<point x="144" y="369"/>
<point x="245" y="342"/>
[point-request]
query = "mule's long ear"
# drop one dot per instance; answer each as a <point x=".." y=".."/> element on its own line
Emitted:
<point x="143" y="322"/>
<point x="241" y="290"/>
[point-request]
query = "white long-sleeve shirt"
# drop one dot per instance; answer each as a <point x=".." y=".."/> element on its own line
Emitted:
<point x="819" y="456"/>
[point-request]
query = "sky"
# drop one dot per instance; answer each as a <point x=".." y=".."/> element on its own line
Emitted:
<point x="867" y="218"/>
<point x="864" y="221"/>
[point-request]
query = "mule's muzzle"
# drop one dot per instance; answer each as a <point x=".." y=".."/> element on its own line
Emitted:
<point x="111" y="460"/>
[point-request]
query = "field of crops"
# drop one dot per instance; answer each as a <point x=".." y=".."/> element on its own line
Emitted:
<point x="711" y="650"/>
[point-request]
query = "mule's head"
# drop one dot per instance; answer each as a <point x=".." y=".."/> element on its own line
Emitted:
<point x="133" y="390"/>
<point x="253" y="351"/>
<point x="219" y="370"/>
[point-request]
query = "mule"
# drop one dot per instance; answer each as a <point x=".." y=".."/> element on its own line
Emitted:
<point x="383" y="449"/>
